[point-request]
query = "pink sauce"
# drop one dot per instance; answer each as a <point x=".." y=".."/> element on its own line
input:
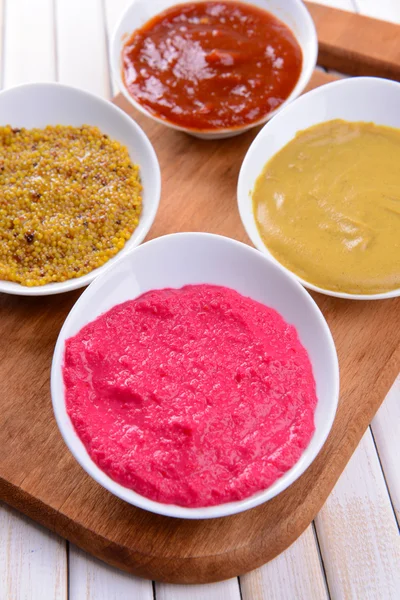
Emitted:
<point x="193" y="396"/>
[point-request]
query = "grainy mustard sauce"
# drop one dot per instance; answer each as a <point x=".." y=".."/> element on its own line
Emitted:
<point x="70" y="197"/>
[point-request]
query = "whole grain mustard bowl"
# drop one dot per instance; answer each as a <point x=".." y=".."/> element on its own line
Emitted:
<point x="119" y="190"/>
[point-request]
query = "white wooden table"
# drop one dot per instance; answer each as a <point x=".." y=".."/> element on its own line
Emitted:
<point x="352" y="550"/>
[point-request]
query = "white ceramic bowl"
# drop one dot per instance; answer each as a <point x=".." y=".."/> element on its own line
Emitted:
<point x="41" y="104"/>
<point x="355" y="99"/>
<point x="189" y="258"/>
<point x="291" y="12"/>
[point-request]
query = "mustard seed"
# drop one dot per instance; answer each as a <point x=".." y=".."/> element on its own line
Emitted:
<point x="70" y="198"/>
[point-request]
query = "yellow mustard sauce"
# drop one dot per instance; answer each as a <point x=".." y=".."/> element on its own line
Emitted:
<point x="327" y="206"/>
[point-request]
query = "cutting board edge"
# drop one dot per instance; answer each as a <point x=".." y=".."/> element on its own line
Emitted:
<point x="222" y="565"/>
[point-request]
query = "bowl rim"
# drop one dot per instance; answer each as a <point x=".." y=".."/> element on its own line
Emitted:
<point x="81" y="455"/>
<point x="58" y="287"/>
<point x="244" y="199"/>
<point x="297" y="90"/>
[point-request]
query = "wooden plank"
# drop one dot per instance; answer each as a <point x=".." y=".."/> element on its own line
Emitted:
<point x="385" y="426"/>
<point x="90" y="579"/>
<point x="358" y="534"/>
<point x="32" y="560"/>
<point x="386" y="430"/>
<point x="225" y="590"/>
<point x="296" y="573"/>
<point x="81" y="45"/>
<point x="388" y="10"/>
<point x="113" y="12"/>
<point x="29" y="42"/>
<point x="355" y="44"/>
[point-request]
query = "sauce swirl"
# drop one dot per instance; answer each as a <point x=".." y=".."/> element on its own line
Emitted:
<point x="327" y="206"/>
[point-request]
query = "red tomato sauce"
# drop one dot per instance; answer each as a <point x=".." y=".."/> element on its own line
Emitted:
<point x="211" y="65"/>
<point x="193" y="396"/>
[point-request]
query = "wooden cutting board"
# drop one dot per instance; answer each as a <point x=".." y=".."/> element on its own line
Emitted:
<point x="355" y="44"/>
<point x="39" y="476"/>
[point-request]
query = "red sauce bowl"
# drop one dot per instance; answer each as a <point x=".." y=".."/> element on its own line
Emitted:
<point x="292" y="13"/>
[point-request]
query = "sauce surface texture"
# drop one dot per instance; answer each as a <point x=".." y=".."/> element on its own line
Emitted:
<point x="211" y="65"/>
<point x="193" y="396"/>
<point x="70" y="198"/>
<point x="327" y="206"/>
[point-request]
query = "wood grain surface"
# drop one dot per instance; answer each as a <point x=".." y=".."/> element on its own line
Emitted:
<point x="80" y="41"/>
<point x="39" y="476"/>
<point x="19" y="569"/>
<point x="386" y="431"/>
<point x="296" y="574"/>
<point x="356" y="45"/>
<point x="23" y="19"/>
<point x="346" y="524"/>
